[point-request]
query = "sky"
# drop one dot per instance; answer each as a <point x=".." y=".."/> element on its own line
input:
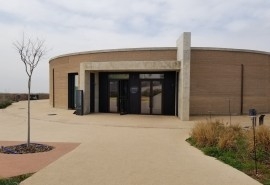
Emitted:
<point x="69" y="26"/>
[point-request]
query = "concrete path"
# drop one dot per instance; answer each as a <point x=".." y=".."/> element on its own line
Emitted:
<point x="117" y="150"/>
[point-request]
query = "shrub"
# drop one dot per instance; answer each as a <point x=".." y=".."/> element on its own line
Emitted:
<point x="263" y="137"/>
<point x="5" y="103"/>
<point x="231" y="138"/>
<point x="262" y="142"/>
<point x="235" y="146"/>
<point x="216" y="134"/>
<point x="211" y="151"/>
<point x="14" y="180"/>
<point x="207" y="133"/>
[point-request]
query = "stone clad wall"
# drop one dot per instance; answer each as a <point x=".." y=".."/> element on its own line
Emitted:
<point x="216" y="78"/>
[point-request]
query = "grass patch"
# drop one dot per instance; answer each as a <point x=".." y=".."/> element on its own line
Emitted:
<point x="5" y="103"/>
<point x="234" y="146"/>
<point x="14" y="180"/>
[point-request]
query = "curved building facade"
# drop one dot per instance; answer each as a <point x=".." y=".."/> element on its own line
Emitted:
<point x="180" y="81"/>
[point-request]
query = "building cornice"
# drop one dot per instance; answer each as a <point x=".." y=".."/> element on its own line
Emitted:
<point x="159" y="49"/>
<point x="230" y="50"/>
<point x="114" y="50"/>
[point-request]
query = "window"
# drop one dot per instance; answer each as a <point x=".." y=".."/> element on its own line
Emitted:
<point x="151" y="76"/>
<point x="119" y="76"/>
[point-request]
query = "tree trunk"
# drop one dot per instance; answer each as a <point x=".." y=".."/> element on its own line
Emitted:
<point x="28" y="111"/>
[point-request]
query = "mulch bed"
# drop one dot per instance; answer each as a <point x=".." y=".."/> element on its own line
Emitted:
<point x="24" y="149"/>
<point x="18" y="164"/>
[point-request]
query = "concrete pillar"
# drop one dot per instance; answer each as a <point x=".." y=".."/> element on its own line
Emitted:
<point x="85" y="86"/>
<point x="183" y="56"/>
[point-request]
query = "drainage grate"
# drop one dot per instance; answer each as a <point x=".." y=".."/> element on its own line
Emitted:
<point x="52" y="114"/>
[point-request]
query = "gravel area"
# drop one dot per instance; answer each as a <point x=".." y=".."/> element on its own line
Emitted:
<point x="18" y="164"/>
<point x="24" y="149"/>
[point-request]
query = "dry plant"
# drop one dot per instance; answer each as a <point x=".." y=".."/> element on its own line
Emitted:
<point x="262" y="138"/>
<point x="229" y="137"/>
<point x="235" y="146"/>
<point x="207" y="133"/>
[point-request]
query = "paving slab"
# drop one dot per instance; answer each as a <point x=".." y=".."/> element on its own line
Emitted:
<point x="117" y="150"/>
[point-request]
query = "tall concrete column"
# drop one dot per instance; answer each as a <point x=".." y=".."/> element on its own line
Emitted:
<point x="85" y="86"/>
<point x="183" y="56"/>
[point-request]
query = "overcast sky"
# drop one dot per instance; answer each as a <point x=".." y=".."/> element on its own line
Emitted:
<point x="83" y="25"/>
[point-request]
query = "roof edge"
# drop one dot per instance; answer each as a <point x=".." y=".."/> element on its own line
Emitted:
<point x="113" y="50"/>
<point x="159" y="48"/>
<point x="230" y="49"/>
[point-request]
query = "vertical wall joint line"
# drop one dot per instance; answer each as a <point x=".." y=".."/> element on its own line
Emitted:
<point x="53" y="86"/>
<point x="242" y="89"/>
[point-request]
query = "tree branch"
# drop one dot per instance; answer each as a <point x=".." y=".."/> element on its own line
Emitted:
<point x="31" y="52"/>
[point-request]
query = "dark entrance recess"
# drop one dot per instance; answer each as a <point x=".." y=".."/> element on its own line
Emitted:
<point x="170" y="93"/>
<point x="118" y="96"/>
<point x="72" y="87"/>
<point x="124" y="93"/>
<point x="92" y="92"/>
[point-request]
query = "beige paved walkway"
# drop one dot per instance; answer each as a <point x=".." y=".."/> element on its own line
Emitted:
<point x="118" y="150"/>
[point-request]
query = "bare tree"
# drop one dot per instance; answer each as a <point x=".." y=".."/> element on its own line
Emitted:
<point x="31" y="52"/>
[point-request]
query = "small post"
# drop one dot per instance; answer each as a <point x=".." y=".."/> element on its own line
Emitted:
<point x="230" y="111"/>
<point x="253" y="114"/>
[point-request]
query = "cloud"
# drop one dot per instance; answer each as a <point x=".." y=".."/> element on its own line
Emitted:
<point x="71" y="26"/>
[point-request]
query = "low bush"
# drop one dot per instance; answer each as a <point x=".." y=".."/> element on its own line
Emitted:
<point x="206" y="134"/>
<point x="14" y="180"/>
<point x="230" y="137"/>
<point x="263" y="137"/>
<point x="262" y="143"/>
<point x="5" y="103"/>
<point x="235" y="146"/>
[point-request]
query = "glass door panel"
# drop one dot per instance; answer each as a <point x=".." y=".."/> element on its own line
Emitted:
<point x="113" y="96"/>
<point x="156" y="97"/>
<point x="151" y="97"/>
<point x="145" y="97"/>
<point x="123" y="96"/>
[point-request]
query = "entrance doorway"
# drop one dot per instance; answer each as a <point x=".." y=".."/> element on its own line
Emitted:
<point x="137" y="93"/>
<point x="73" y="83"/>
<point x="118" y="96"/>
<point x="151" y="97"/>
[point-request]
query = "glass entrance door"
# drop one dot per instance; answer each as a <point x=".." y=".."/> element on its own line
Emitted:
<point x="156" y="97"/>
<point x="123" y="96"/>
<point x="113" y="95"/>
<point x="118" y="96"/>
<point x="145" y="97"/>
<point x="151" y="97"/>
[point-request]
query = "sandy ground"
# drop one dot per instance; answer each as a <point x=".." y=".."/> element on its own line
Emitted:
<point x="117" y="150"/>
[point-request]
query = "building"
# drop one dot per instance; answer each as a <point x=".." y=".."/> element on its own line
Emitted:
<point x="180" y="81"/>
